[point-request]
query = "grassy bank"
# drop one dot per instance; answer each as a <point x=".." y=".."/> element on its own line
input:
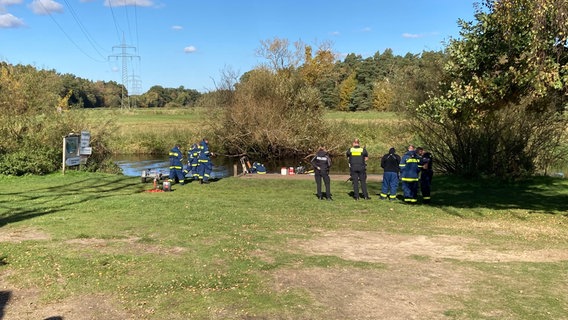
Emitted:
<point x="82" y="246"/>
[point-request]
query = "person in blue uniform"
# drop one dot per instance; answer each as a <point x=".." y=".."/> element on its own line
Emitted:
<point x="409" y="172"/>
<point x="192" y="161"/>
<point x="321" y="163"/>
<point x="176" y="165"/>
<point x="205" y="166"/>
<point x="358" y="157"/>
<point x="258" y="168"/>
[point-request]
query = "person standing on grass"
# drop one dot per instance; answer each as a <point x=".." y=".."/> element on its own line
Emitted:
<point x="321" y="163"/>
<point x="192" y="161"/>
<point x="204" y="166"/>
<point x="390" y="163"/>
<point x="176" y="165"/>
<point x="358" y="157"/>
<point x="426" y="173"/>
<point x="410" y="171"/>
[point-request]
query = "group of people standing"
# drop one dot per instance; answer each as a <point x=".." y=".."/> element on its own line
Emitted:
<point x="198" y="167"/>
<point x="413" y="169"/>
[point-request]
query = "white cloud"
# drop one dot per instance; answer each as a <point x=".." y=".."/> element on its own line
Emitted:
<point x="10" y="2"/>
<point x="124" y="3"/>
<point x="335" y="33"/>
<point x="5" y="3"/>
<point x="419" y="35"/>
<point x="9" y="21"/>
<point x="366" y="29"/>
<point x="412" y="35"/>
<point x="45" y="7"/>
<point x="189" y="49"/>
<point x="177" y="28"/>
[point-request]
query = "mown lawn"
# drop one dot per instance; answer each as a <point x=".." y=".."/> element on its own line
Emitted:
<point x="83" y="245"/>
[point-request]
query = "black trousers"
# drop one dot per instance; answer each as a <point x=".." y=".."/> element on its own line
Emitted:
<point x="359" y="176"/>
<point x="425" y="184"/>
<point x="322" y="175"/>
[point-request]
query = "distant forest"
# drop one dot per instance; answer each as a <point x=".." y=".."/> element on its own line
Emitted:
<point x="384" y="82"/>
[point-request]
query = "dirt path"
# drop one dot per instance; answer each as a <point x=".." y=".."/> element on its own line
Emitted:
<point x="334" y="177"/>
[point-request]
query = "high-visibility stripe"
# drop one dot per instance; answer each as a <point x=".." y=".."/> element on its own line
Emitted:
<point x="410" y="179"/>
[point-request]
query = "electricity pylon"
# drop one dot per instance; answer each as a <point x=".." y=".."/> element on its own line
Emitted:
<point x="124" y="55"/>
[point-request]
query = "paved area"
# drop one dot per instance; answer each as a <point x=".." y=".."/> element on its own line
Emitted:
<point x="335" y="177"/>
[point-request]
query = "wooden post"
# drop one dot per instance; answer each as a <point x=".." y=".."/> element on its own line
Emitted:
<point x="63" y="156"/>
<point x="235" y="173"/>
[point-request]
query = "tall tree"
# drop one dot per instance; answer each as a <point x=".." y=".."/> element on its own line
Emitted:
<point x="507" y="91"/>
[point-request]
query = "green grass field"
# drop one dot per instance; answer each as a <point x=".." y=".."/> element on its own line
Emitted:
<point x="92" y="246"/>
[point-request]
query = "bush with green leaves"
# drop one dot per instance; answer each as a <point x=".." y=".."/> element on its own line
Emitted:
<point x="273" y="114"/>
<point x="34" y="119"/>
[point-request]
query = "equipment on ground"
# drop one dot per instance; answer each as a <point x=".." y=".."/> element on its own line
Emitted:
<point x="245" y="164"/>
<point x="152" y="175"/>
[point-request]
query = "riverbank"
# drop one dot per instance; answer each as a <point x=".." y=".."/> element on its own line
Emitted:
<point x="333" y="177"/>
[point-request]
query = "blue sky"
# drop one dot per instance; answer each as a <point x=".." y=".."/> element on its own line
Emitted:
<point x="189" y="42"/>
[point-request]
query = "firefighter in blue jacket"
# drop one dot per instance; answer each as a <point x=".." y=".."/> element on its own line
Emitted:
<point x="358" y="157"/>
<point x="192" y="161"/>
<point x="204" y="166"/>
<point x="410" y="170"/>
<point x="258" y="168"/>
<point x="426" y="173"/>
<point x="176" y="165"/>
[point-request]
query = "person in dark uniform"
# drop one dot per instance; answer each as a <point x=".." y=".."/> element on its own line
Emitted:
<point x="358" y="157"/>
<point x="321" y="163"/>
<point x="390" y="162"/>
<point x="410" y="171"/>
<point x="192" y="161"/>
<point x="426" y="173"/>
<point x="205" y="166"/>
<point x="176" y="165"/>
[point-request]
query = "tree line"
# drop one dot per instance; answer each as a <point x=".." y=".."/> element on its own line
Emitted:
<point x="493" y="102"/>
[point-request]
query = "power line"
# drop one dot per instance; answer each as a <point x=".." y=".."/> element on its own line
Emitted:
<point x="114" y="20"/>
<point x="84" y="30"/>
<point x="67" y="35"/>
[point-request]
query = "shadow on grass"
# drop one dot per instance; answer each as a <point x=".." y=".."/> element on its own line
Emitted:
<point x="543" y="194"/>
<point x="38" y="202"/>
<point x="4" y="298"/>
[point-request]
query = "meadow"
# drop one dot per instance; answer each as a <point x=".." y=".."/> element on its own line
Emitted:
<point x="155" y="131"/>
<point x="100" y="246"/>
<point x="94" y="246"/>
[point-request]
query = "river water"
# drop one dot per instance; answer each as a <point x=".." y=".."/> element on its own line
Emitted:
<point x="134" y="165"/>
